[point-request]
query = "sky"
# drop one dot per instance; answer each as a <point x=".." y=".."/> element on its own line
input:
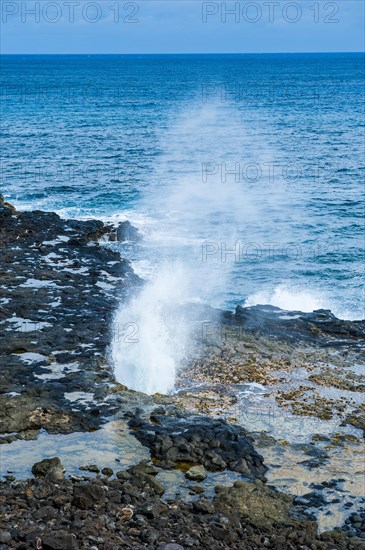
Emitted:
<point x="180" y="26"/>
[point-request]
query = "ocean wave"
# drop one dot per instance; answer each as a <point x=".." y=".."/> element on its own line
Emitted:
<point x="296" y="299"/>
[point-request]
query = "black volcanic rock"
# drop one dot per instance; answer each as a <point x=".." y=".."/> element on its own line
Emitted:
<point x="58" y="294"/>
<point x="320" y="327"/>
<point x="200" y="440"/>
<point x="126" y="232"/>
<point x="127" y="513"/>
<point x="49" y="467"/>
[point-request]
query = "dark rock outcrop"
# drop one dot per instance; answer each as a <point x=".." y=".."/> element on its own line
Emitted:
<point x="199" y="440"/>
<point x="320" y="328"/>
<point x="59" y="291"/>
<point x="126" y="232"/>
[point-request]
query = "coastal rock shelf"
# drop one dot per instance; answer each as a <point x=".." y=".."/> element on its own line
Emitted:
<point x="310" y="364"/>
<point x="59" y="289"/>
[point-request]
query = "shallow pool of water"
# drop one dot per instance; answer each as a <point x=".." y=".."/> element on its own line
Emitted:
<point x="112" y="446"/>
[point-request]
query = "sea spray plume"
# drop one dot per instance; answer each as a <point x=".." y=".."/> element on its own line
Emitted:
<point x="197" y="201"/>
<point x="188" y="208"/>
<point x="146" y="358"/>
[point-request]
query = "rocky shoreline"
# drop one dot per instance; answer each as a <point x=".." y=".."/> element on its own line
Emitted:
<point x="59" y="291"/>
<point x="127" y="512"/>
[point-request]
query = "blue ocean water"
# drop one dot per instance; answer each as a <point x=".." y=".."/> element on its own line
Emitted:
<point x="248" y="170"/>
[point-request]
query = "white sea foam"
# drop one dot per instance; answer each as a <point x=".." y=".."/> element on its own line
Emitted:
<point x="80" y="397"/>
<point x="30" y="357"/>
<point x="37" y="283"/>
<point x="26" y="325"/>
<point x="60" y="239"/>
<point x="293" y="298"/>
<point x="287" y="299"/>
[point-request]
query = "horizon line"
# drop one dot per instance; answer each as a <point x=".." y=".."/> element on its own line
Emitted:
<point x="190" y="53"/>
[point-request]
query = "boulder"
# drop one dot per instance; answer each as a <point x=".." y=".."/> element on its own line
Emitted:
<point x="254" y="502"/>
<point x="107" y="472"/>
<point x="196" y="473"/>
<point x="59" y="540"/>
<point x="203" y="506"/>
<point x="5" y="536"/>
<point x="126" y="232"/>
<point x="88" y="495"/>
<point x="50" y="468"/>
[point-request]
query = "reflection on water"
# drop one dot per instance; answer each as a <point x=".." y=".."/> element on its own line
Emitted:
<point x="344" y="464"/>
<point x="177" y="485"/>
<point x="113" y="441"/>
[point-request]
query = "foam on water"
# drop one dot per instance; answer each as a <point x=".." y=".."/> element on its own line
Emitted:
<point x="292" y="298"/>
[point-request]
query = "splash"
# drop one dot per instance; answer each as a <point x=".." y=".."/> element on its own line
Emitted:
<point x="199" y="201"/>
<point x="287" y="299"/>
<point x="292" y="298"/>
<point x="186" y="205"/>
<point x="150" y="338"/>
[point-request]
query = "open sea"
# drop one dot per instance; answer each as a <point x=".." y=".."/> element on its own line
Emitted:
<point x="244" y="173"/>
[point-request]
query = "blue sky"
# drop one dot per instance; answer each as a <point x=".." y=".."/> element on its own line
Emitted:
<point x="181" y="26"/>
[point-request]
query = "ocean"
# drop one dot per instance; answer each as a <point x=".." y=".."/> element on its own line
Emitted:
<point x="243" y="173"/>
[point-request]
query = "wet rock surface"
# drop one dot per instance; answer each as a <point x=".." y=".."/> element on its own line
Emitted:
<point x="311" y="364"/>
<point x="320" y="327"/>
<point x="126" y="232"/>
<point x="357" y="418"/>
<point x="49" y="467"/>
<point x="355" y="525"/>
<point x="196" y="473"/>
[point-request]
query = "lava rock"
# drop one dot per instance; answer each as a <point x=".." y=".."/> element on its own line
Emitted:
<point x="90" y="468"/>
<point x="59" y="540"/>
<point x="49" y="467"/>
<point x="36" y="246"/>
<point x="126" y="232"/>
<point x="5" y="536"/>
<point x="107" y="472"/>
<point x="196" y="473"/>
<point x="171" y="546"/>
<point x="88" y="495"/>
<point x="203" y="506"/>
<point x="188" y="439"/>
